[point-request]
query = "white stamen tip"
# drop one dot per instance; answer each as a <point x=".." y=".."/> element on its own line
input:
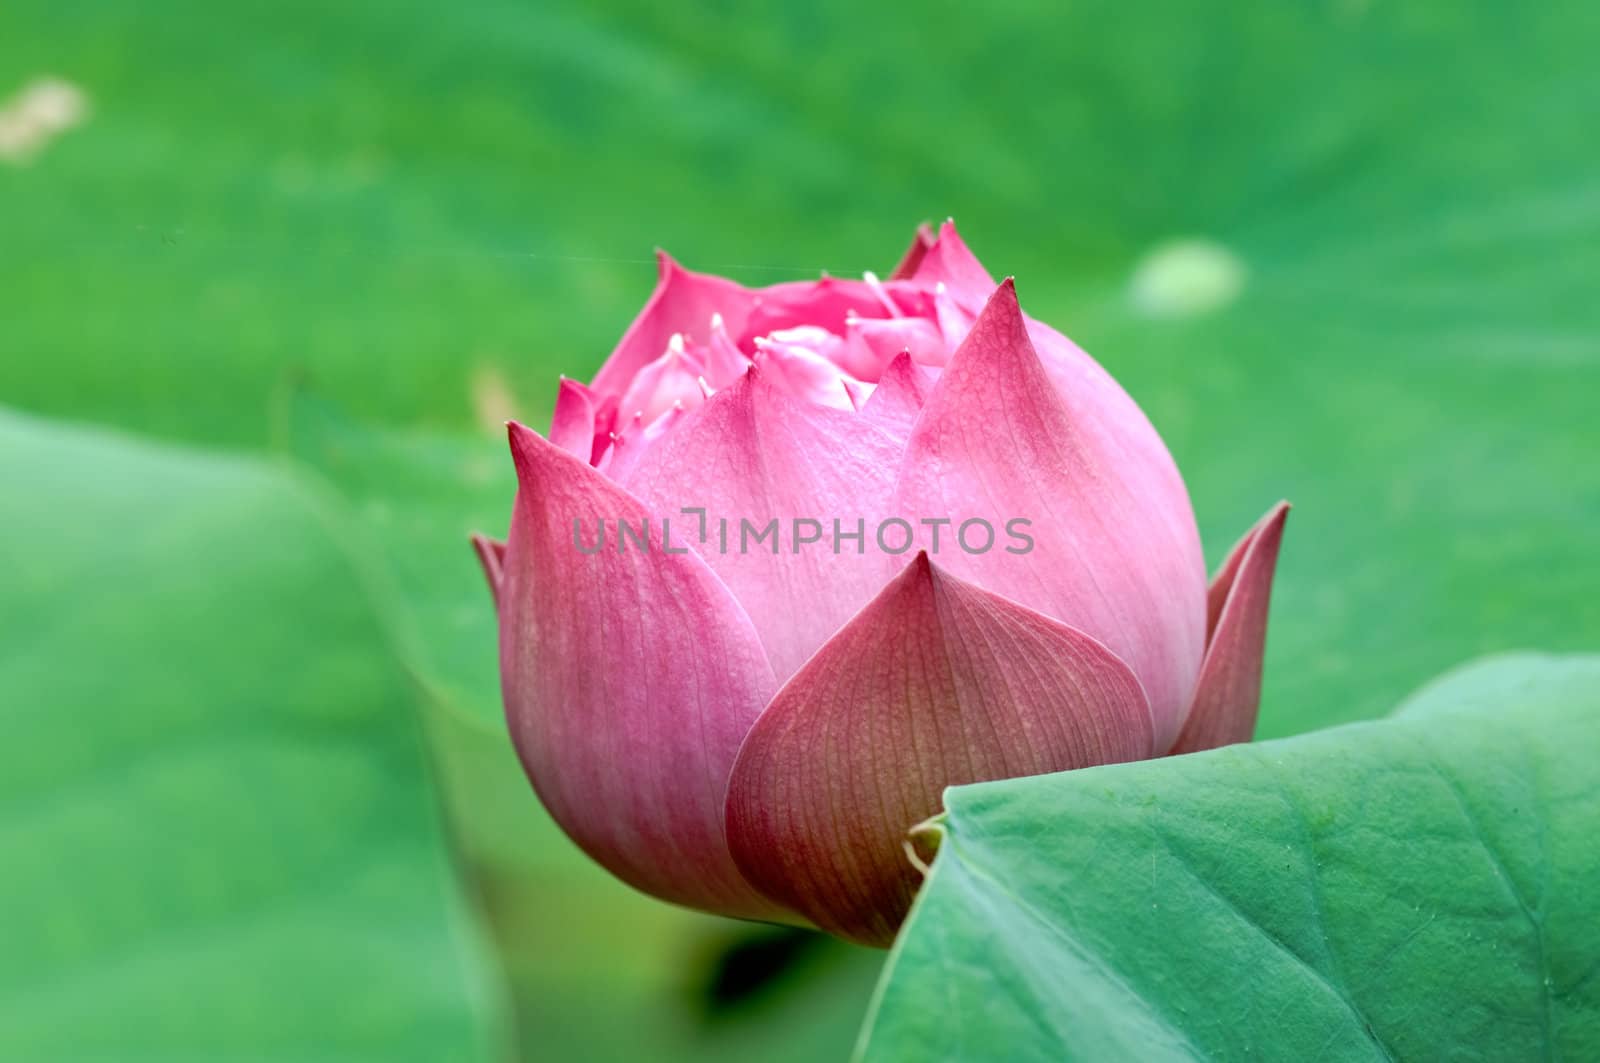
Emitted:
<point x="675" y="344"/>
<point x="882" y="293"/>
<point x="705" y="388"/>
<point x="716" y="321"/>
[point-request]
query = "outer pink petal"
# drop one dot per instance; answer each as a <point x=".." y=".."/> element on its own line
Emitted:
<point x="1091" y="396"/>
<point x="629" y="678"/>
<point x="492" y="556"/>
<point x="1229" y="692"/>
<point x="682" y="302"/>
<point x="754" y="452"/>
<point x="936" y="683"/>
<point x="951" y="263"/>
<point x="1115" y="550"/>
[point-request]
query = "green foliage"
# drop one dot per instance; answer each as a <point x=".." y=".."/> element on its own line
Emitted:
<point x="1416" y="888"/>
<point x="213" y="805"/>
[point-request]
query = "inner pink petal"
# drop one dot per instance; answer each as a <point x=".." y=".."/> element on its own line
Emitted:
<point x="672" y="379"/>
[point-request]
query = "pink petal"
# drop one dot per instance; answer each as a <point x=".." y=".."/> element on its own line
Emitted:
<point x="1115" y="553"/>
<point x="914" y="254"/>
<point x="954" y="321"/>
<point x="492" y="556"/>
<point x="950" y="262"/>
<point x="754" y="452"/>
<point x="872" y="343"/>
<point x="572" y="426"/>
<point x="799" y="360"/>
<point x="671" y="380"/>
<point x="899" y="396"/>
<point x="630" y="679"/>
<point x="626" y="448"/>
<point x="828" y="303"/>
<point x="857" y="392"/>
<point x="725" y="362"/>
<point x="934" y="684"/>
<point x="682" y="302"/>
<point x="1229" y="692"/>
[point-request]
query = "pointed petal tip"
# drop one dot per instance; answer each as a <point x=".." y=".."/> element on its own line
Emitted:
<point x="1004" y="298"/>
<point x="528" y="449"/>
<point x="1227" y="697"/>
<point x="1000" y="324"/>
<point x="491" y="555"/>
<point x="572" y="422"/>
<point x="951" y="261"/>
<point x="854" y="753"/>
<point x="515" y="431"/>
<point x="901" y="393"/>
<point x="516" y="435"/>
<point x="1271" y="526"/>
<point x="923" y="572"/>
<point x="950" y="235"/>
<point x="920" y="242"/>
<point x="1265" y="537"/>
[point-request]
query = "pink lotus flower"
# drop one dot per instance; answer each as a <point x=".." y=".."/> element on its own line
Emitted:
<point x="752" y="730"/>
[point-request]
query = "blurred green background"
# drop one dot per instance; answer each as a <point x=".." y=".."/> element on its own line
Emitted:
<point x="272" y="275"/>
